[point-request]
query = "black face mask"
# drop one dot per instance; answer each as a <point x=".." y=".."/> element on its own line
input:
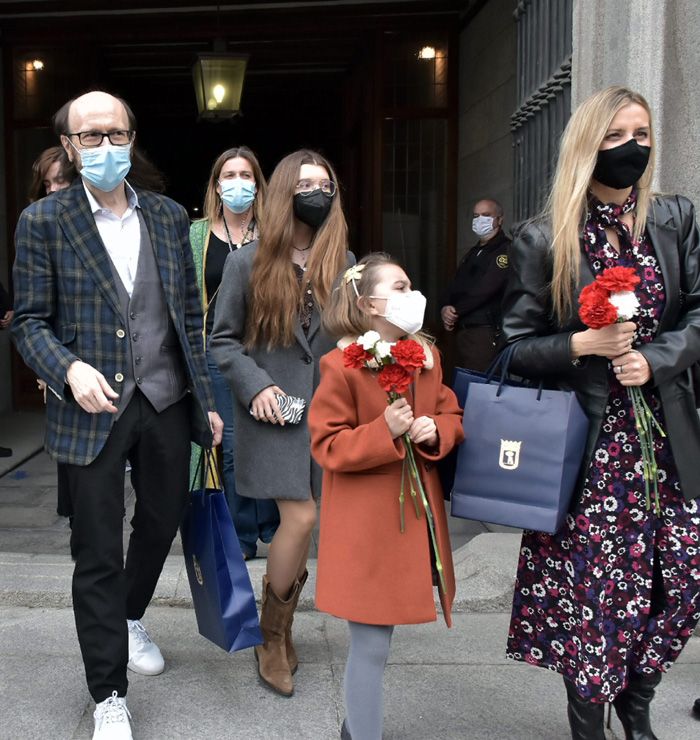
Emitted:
<point x="621" y="166"/>
<point x="312" y="208"/>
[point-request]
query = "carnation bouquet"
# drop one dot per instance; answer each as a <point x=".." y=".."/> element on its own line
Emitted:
<point x="610" y="300"/>
<point x="395" y="364"/>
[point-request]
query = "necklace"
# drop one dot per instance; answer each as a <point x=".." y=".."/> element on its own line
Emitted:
<point x="244" y="223"/>
<point x="305" y="249"/>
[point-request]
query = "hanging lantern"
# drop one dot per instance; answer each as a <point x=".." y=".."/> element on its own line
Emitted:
<point x="218" y="84"/>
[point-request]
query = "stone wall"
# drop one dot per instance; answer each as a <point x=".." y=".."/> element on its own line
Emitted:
<point x="487" y="63"/>
<point x="652" y="46"/>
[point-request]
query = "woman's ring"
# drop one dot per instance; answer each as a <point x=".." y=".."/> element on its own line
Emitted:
<point x="619" y="368"/>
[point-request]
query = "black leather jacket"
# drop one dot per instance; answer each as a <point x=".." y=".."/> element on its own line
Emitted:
<point x="543" y="351"/>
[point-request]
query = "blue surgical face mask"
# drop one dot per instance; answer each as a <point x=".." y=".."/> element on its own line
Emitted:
<point x="105" y="167"/>
<point x="238" y="195"/>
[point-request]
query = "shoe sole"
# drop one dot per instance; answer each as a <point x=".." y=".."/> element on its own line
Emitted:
<point x="141" y="672"/>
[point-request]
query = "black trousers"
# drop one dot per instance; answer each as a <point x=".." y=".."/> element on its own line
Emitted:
<point x="106" y="591"/>
<point x="476" y="347"/>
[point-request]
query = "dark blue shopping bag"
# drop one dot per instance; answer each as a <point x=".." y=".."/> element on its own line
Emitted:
<point x="521" y="458"/>
<point x="462" y="379"/>
<point x="224" y="601"/>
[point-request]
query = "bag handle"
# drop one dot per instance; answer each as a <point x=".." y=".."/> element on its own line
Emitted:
<point x="503" y="361"/>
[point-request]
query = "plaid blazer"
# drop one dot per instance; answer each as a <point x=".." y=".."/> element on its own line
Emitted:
<point x="67" y="308"/>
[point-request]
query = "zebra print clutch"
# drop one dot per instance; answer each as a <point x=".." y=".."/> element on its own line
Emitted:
<point x="292" y="407"/>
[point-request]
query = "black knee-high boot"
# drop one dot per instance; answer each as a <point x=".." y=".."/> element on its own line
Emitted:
<point x="585" y="717"/>
<point x="632" y="706"/>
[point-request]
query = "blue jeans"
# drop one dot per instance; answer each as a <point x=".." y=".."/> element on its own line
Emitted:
<point x="254" y="519"/>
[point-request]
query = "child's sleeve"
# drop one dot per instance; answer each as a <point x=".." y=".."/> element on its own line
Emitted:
<point x="338" y="443"/>
<point x="447" y="418"/>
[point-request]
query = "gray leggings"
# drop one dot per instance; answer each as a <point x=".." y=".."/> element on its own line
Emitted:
<point x="364" y="678"/>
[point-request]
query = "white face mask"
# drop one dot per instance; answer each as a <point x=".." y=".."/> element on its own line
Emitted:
<point x="405" y="310"/>
<point x="482" y="226"/>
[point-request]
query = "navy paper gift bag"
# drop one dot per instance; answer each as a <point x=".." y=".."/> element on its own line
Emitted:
<point x="520" y="461"/>
<point x="224" y="601"/>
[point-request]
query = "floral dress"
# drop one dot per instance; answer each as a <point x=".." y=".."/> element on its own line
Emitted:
<point x="618" y="587"/>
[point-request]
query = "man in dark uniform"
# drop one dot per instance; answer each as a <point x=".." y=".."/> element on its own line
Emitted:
<point x="6" y="314"/>
<point x="472" y="305"/>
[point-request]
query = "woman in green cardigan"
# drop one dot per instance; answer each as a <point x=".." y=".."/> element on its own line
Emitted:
<point x="232" y="207"/>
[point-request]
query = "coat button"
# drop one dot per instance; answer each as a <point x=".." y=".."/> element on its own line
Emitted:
<point x="121" y="333"/>
<point x="307" y="359"/>
<point x="119" y="378"/>
<point x="135" y="337"/>
<point x="139" y="381"/>
<point x="132" y="315"/>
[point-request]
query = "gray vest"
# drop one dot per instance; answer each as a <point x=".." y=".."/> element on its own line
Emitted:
<point x="154" y="361"/>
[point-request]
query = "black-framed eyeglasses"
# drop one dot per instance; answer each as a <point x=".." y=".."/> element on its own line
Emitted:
<point x="118" y="137"/>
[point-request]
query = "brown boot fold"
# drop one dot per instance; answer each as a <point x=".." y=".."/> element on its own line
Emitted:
<point x="294" y="596"/>
<point x="273" y="666"/>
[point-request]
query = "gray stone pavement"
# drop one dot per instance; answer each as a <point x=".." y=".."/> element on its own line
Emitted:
<point x="440" y="683"/>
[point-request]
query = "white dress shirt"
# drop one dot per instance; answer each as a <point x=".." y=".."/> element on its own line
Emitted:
<point x="120" y="235"/>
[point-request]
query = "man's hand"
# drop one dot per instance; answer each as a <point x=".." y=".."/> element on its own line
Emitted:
<point x="6" y="320"/>
<point x="449" y="317"/>
<point x="217" y="428"/>
<point x="90" y="389"/>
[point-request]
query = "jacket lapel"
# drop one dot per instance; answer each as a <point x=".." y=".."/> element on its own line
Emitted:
<point x="78" y="225"/>
<point x="663" y="237"/>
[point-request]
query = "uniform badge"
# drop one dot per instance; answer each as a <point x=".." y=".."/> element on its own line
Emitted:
<point x="502" y="261"/>
<point x="509" y="457"/>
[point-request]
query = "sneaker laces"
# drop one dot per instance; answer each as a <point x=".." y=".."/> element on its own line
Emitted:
<point x="113" y="710"/>
<point x="138" y="632"/>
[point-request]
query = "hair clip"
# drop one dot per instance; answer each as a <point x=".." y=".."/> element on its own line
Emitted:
<point x="352" y="274"/>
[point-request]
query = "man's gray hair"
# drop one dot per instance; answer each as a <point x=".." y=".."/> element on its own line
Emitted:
<point x="499" y="207"/>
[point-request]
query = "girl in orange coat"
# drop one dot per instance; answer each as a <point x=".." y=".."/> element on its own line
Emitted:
<point x="369" y="572"/>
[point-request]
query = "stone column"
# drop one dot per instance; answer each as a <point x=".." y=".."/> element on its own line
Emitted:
<point x="653" y="47"/>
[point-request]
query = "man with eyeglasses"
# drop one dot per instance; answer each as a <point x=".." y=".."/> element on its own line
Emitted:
<point x="108" y="312"/>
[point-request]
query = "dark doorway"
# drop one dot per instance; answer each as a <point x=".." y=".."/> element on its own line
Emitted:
<point x="344" y="77"/>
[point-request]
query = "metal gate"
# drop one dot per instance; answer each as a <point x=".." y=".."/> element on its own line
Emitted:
<point x="544" y="30"/>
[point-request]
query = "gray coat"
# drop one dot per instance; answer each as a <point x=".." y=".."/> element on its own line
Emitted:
<point x="269" y="461"/>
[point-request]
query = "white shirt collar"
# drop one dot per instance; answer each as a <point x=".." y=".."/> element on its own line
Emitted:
<point x="95" y="207"/>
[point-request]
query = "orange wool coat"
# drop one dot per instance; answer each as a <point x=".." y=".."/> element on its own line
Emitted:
<point x="368" y="571"/>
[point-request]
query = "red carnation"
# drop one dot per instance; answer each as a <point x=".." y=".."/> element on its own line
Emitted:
<point x="355" y="356"/>
<point x="394" y="378"/>
<point x="409" y="354"/>
<point x="618" y="279"/>
<point x="595" y="309"/>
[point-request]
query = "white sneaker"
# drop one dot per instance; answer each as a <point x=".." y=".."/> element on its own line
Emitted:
<point x="112" y="719"/>
<point x="144" y="656"/>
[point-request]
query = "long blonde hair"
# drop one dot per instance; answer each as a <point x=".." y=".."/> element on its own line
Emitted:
<point x="213" y="205"/>
<point x="567" y="202"/>
<point x="275" y="293"/>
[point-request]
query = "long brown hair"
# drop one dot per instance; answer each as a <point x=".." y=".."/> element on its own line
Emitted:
<point x="568" y="199"/>
<point x="212" y="199"/>
<point x="42" y="165"/>
<point x="275" y="294"/>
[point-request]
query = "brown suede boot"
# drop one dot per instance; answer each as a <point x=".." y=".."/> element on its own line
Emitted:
<point x="294" y="596"/>
<point x="273" y="666"/>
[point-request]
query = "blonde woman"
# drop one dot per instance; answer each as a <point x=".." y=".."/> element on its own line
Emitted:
<point x="233" y="206"/>
<point x="267" y="341"/>
<point x="611" y="599"/>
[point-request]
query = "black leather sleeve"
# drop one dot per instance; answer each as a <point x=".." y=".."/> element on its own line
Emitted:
<point x="541" y="349"/>
<point x="674" y="351"/>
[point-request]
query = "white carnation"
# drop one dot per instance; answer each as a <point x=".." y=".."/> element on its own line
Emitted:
<point x="382" y="350"/>
<point x="626" y="303"/>
<point x="368" y="340"/>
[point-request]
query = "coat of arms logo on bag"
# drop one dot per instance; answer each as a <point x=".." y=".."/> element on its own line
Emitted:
<point x="509" y="457"/>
